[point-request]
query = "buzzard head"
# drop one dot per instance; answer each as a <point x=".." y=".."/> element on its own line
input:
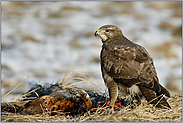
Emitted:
<point x="108" y="31"/>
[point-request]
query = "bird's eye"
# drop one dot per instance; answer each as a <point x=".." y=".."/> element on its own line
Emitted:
<point x="107" y="30"/>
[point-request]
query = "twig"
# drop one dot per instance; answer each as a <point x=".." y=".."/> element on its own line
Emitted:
<point x="16" y="87"/>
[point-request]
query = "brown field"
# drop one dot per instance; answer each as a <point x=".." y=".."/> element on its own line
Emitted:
<point x="143" y="113"/>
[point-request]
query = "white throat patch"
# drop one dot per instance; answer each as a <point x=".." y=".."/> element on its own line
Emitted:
<point x="103" y="37"/>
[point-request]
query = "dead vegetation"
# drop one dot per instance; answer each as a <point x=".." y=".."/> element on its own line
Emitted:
<point x="142" y="113"/>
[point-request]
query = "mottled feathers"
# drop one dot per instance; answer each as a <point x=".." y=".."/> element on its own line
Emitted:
<point x="129" y="67"/>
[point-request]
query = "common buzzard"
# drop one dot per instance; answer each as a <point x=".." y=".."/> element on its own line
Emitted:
<point x="129" y="67"/>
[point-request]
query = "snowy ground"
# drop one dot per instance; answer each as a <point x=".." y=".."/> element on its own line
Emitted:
<point x="47" y="40"/>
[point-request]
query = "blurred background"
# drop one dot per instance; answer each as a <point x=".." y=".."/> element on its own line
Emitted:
<point x="48" y="41"/>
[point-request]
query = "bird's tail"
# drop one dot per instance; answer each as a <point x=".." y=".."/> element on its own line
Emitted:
<point x="164" y="91"/>
<point x="156" y="98"/>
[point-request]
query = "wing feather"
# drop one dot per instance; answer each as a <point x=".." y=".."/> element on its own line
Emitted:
<point x="124" y="61"/>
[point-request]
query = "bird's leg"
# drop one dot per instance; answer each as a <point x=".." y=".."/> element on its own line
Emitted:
<point x="113" y="93"/>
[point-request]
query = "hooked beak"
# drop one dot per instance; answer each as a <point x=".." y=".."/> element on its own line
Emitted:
<point x="97" y="32"/>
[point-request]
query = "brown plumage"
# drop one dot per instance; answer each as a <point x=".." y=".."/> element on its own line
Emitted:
<point x="129" y="67"/>
<point x="68" y="101"/>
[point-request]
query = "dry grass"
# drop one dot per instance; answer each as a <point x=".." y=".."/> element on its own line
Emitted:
<point x="143" y="113"/>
